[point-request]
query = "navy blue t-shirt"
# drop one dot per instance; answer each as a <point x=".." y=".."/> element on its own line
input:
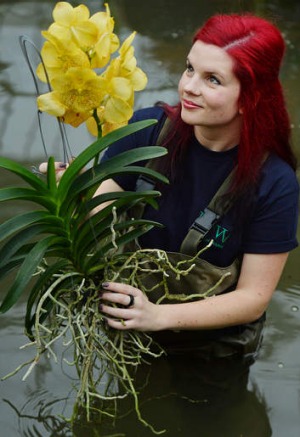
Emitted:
<point x="270" y="225"/>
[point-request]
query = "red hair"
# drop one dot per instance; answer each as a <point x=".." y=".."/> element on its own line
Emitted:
<point x="257" y="48"/>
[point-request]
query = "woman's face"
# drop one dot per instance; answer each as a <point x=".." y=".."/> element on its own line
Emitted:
<point x="209" y="90"/>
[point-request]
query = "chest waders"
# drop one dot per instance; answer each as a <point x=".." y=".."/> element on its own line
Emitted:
<point x="205" y="279"/>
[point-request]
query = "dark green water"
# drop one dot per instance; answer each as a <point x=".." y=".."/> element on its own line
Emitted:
<point x="269" y="403"/>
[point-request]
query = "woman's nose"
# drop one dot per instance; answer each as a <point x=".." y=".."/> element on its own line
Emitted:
<point x="192" y="86"/>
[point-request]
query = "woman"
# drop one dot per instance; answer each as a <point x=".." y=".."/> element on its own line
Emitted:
<point x="231" y="114"/>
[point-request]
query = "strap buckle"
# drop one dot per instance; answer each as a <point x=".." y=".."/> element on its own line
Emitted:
<point x="205" y="221"/>
<point x="144" y="183"/>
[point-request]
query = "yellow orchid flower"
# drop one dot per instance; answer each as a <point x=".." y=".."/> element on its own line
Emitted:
<point x="117" y="111"/>
<point x="103" y="20"/>
<point x="106" y="127"/>
<point x="51" y="103"/>
<point x="107" y="42"/>
<point x="127" y="45"/>
<point x="67" y="16"/>
<point x="109" y="127"/>
<point x="58" y="57"/>
<point x="128" y="66"/>
<point x="116" y="102"/>
<point x="73" y="23"/>
<point x="125" y="66"/>
<point x="75" y="95"/>
<point x="116" y="108"/>
<point x="104" y="47"/>
<point x="138" y="79"/>
<point x="91" y="34"/>
<point x="76" y="44"/>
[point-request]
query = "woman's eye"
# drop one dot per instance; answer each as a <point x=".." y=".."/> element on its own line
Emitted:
<point x="214" y="80"/>
<point x="189" y="67"/>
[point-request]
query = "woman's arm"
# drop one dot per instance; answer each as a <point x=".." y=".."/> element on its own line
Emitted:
<point x="108" y="186"/>
<point x="258" y="280"/>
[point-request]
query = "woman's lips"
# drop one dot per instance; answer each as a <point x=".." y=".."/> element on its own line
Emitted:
<point x="187" y="104"/>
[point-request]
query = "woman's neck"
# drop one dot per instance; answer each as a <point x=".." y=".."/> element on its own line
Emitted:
<point x="217" y="140"/>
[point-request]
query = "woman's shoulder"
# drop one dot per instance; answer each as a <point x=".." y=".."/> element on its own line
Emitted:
<point x="156" y="112"/>
<point x="278" y="173"/>
<point x="141" y="138"/>
<point x="272" y="226"/>
<point x="148" y="135"/>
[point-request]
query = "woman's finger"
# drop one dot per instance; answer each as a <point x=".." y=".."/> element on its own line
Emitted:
<point x="116" y="312"/>
<point x="121" y="325"/>
<point x="119" y="298"/>
<point x="121" y="288"/>
<point x="59" y="166"/>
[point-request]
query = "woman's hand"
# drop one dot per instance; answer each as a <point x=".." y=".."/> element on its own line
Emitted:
<point x="258" y="279"/>
<point x="60" y="168"/>
<point x="134" y="310"/>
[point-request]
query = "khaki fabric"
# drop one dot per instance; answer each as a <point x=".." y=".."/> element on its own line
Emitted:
<point x="203" y="280"/>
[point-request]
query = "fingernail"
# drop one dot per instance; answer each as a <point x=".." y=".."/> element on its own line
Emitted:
<point x="105" y="284"/>
<point x="62" y="165"/>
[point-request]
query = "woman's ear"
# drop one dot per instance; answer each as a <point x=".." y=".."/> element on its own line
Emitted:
<point x="241" y="111"/>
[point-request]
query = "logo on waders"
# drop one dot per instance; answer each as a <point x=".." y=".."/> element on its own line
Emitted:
<point x="220" y="237"/>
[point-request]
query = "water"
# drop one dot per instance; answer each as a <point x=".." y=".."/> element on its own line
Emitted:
<point x="265" y="404"/>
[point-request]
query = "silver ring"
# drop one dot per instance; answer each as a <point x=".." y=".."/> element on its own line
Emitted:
<point x="131" y="302"/>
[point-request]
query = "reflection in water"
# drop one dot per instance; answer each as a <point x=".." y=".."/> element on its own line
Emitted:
<point x="37" y="416"/>
<point x="184" y="395"/>
<point x="191" y="397"/>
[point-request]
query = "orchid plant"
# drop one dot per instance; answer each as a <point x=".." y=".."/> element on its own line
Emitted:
<point x="66" y="248"/>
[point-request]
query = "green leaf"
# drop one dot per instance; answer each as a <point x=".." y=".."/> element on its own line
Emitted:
<point x="96" y="148"/>
<point x="10" y="266"/>
<point x="23" y="220"/>
<point x="26" y="271"/>
<point x="51" y="176"/>
<point x="25" y="174"/>
<point x="18" y="241"/>
<point x="19" y="193"/>
<point x="85" y="209"/>
<point x="86" y="236"/>
<point x="105" y="243"/>
<point x="95" y="176"/>
<point x="93" y="265"/>
<point x="119" y="163"/>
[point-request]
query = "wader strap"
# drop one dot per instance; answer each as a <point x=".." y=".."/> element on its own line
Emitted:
<point x="207" y="219"/>
<point x="209" y="216"/>
<point x="144" y="182"/>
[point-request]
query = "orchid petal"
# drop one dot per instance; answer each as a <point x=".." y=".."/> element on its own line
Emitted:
<point x="51" y="104"/>
<point x="117" y="111"/>
<point x="138" y="80"/>
<point x="121" y="87"/>
<point x="127" y="44"/>
<point x="109" y="127"/>
<point x="85" y="34"/>
<point x="75" y="118"/>
<point x="102" y="52"/>
<point x="103" y="22"/>
<point x="66" y="15"/>
<point x="61" y="33"/>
